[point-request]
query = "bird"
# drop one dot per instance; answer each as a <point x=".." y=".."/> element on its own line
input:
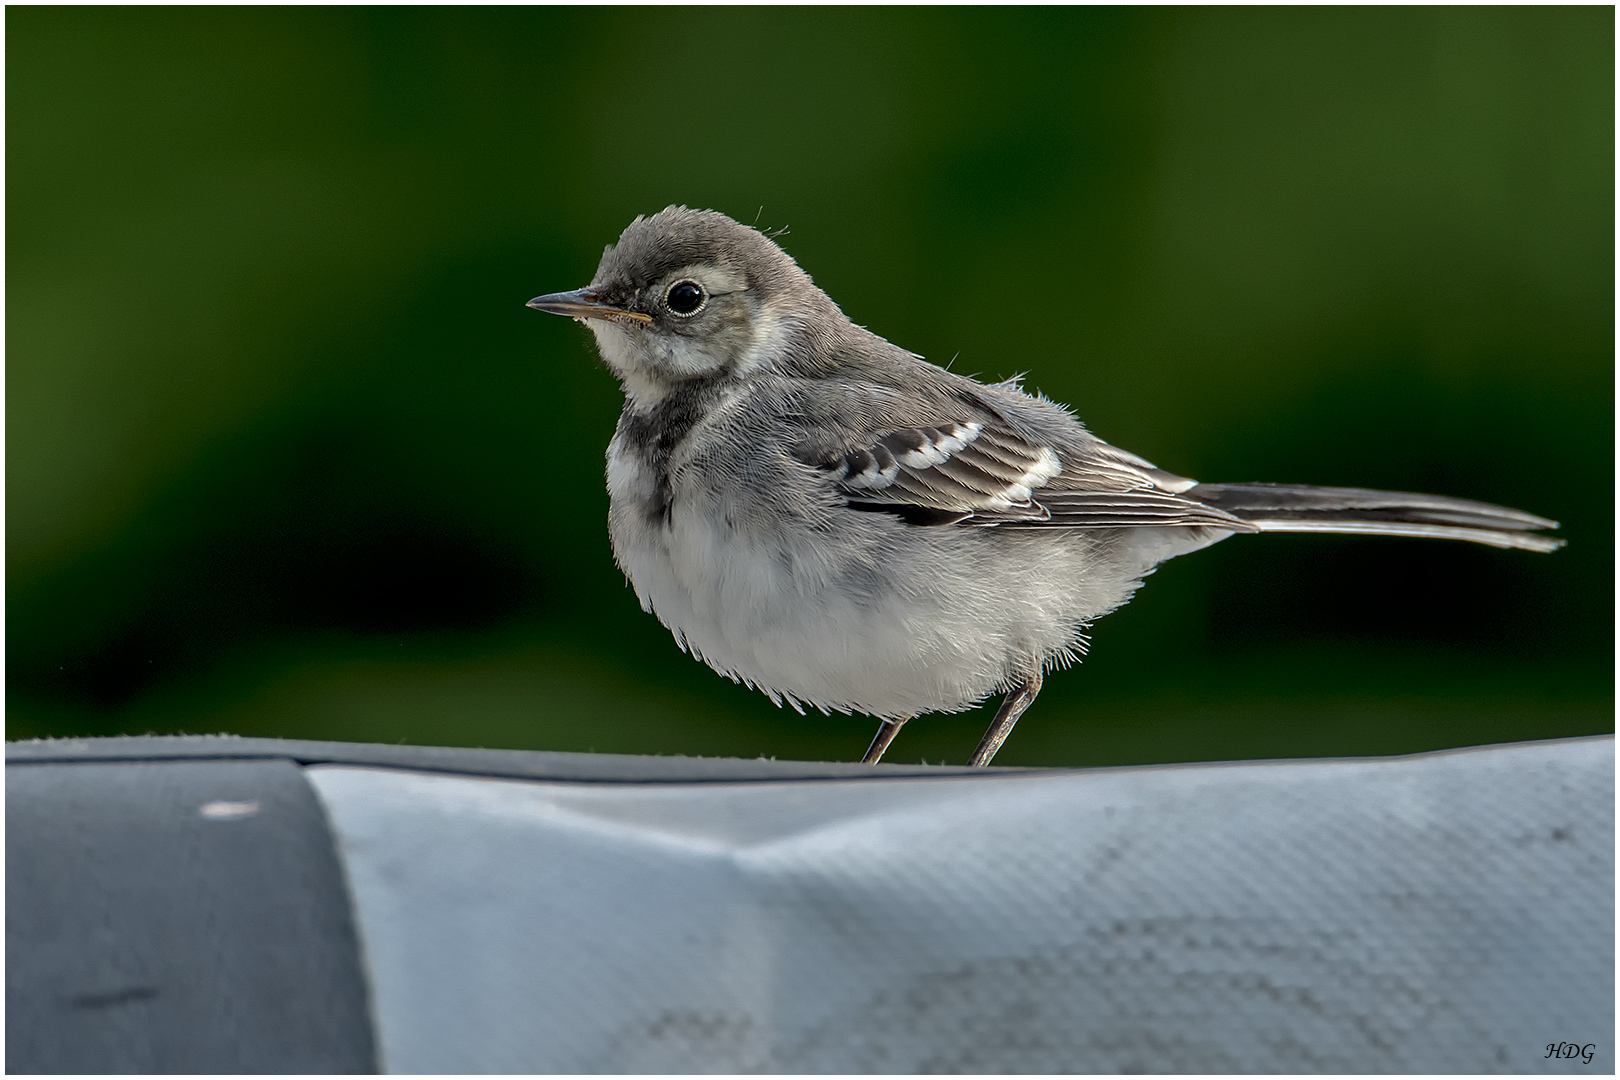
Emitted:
<point x="833" y="520"/>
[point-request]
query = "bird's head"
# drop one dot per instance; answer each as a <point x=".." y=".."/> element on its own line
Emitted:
<point x="691" y="294"/>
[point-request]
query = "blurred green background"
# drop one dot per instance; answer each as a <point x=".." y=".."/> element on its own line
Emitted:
<point x="287" y="456"/>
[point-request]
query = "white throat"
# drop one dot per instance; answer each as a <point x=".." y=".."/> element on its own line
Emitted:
<point x="624" y="356"/>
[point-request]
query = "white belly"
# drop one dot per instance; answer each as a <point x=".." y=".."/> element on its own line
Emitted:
<point x="880" y="617"/>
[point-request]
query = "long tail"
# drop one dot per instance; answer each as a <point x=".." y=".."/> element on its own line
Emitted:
<point x="1300" y="508"/>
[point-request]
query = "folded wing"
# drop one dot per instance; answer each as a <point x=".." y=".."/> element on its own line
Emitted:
<point x="983" y="473"/>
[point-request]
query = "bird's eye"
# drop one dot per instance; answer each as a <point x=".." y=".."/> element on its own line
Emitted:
<point x="685" y="297"/>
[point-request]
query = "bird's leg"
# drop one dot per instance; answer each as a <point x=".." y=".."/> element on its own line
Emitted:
<point x="881" y="741"/>
<point x="1020" y="698"/>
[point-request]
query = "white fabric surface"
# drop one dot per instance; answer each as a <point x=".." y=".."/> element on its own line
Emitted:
<point x="1438" y="913"/>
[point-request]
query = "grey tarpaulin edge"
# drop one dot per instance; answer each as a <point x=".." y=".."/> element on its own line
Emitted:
<point x="510" y="764"/>
<point x="529" y="764"/>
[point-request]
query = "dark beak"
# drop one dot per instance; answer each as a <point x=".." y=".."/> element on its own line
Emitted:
<point x="583" y="304"/>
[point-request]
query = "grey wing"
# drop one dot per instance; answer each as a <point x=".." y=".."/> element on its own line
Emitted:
<point x="983" y="473"/>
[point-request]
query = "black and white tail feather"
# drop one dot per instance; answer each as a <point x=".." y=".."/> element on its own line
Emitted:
<point x="1304" y="508"/>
